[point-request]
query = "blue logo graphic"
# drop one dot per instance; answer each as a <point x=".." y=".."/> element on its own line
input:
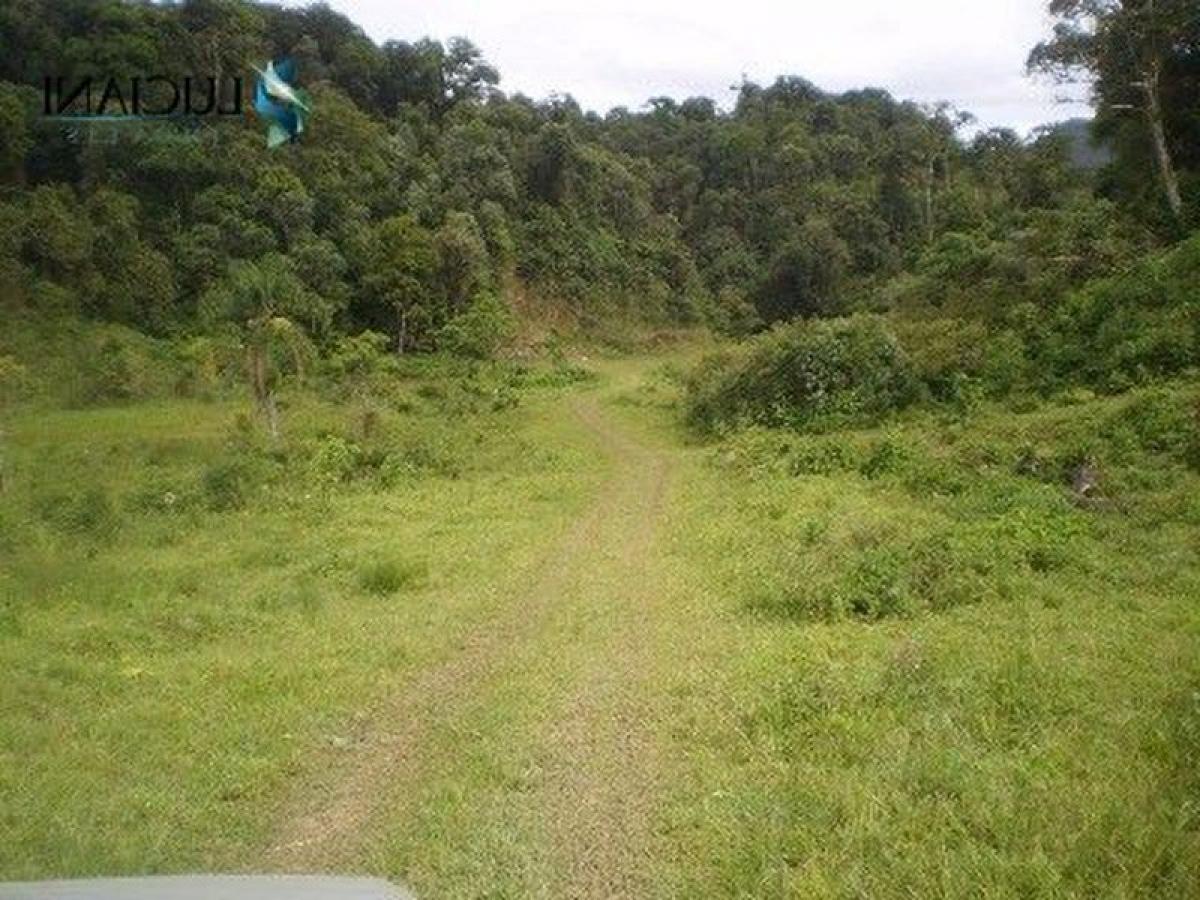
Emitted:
<point x="285" y="107"/>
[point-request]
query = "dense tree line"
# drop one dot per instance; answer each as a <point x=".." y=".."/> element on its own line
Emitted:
<point x="421" y="191"/>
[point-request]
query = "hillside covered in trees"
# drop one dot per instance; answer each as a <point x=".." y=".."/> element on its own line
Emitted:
<point x="423" y="203"/>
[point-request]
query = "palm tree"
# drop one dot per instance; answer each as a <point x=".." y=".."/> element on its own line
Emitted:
<point x="267" y="302"/>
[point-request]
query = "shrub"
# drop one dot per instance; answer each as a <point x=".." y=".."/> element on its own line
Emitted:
<point x="159" y="494"/>
<point x="1191" y="452"/>
<point x="941" y="349"/>
<point x="116" y="364"/>
<point x="876" y="587"/>
<point x="1124" y="330"/>
<point x="819" y="456"/>
<point x="207" y="365"/>
<point x="1041" y="540"/>
<point x="1005" y="363"/>
<point x="359" y="357"/>
<point x="927" y="571"/>
<point x="561" y="374"/>
<point x="480" y="331"/>
<point x="333" y="459"/>
<point x="954" y="568"/>
<point x="803" y="375"/>
<point x="886" y="457"/>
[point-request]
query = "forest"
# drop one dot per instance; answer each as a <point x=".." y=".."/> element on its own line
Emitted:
<point x="790" y="494"/>
<point x="423" y="199"/>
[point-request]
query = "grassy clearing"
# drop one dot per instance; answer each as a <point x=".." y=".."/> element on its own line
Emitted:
<point x="186" y="612"/>
<point x="898" y="661"/>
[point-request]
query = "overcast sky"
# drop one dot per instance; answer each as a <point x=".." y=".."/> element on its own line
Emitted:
<point x="621" y="52"/>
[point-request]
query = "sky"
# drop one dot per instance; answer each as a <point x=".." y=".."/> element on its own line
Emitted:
<point x="622" y="52"/>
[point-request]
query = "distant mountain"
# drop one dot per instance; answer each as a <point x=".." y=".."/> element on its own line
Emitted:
<point x="1085" y="152"/>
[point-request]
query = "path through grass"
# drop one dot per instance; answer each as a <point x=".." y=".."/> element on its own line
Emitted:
<point x="612" y="663"/>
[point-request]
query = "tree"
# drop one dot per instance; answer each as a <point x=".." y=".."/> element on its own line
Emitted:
<point x="15" y="140"/>
<point x="462" y="259"/>
<point x="804" y="277"/>
<point x="225" y="36"/>
<point x="467" y="76"/>
<point x="281" y="199"/>
<point x="1127" y="48"/>
<point x="270" y="306"/>
<point x="399" y="262"/>
<point x="438" y="77"/>
<point x="59" y="235"/>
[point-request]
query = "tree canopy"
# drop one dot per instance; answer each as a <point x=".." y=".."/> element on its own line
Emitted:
<point x="420" y="188"/>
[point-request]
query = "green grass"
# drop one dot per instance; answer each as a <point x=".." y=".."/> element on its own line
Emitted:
<point x="172" y="652"/>
<point x="890" y="662"/>
<point x="387" y="576"/>
<point x="942" y="677"/>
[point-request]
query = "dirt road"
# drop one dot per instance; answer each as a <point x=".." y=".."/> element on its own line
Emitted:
<point x="588" y="620"/>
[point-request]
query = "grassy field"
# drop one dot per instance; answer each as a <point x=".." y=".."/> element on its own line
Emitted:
<point x="522" y="636"/>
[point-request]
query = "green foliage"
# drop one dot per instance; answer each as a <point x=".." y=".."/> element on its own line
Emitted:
<point x="13" y="378"/>
<point x="422" y="187"/>
<point x="399" y="261"/>
<point x="256" y="292"/>
<point x="1137" y="58"/>
<point x="805" y="276"/>
<point x="118" y="365"/>
<point x="485" y="327"/>
<point x="333" y="459"/>
<point x="15" y="138"/>
<point x="1159" y="422"/>
<point x="804" y="375"/>
<point x="355" y="360"/>
<point x="462" y="259"/>
<point x="1131" y="328"/>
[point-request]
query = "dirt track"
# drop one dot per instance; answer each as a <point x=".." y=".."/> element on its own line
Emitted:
<point x="596" y="791"/>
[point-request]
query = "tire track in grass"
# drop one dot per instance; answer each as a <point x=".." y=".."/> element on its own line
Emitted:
<point x="324" y="825"/>
<point x="602" y="770"/>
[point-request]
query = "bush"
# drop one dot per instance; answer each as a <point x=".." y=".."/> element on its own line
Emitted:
<point x="876" y="587"/>
<point x="820" y="456"/>
<point x="926" y="571"/>
<point x="942" y="349"/>
<point x="356" y="358"/>
<point x="208" y="364"/>
<point x="1125" y="330"/>
<point x="422" y="455"/>
<point x="334" y="459"/>
<point x="117" y="365"/>
<point x="485" y="327"/>
<point x="886" y="457"/>
<point x="804" y="375"/>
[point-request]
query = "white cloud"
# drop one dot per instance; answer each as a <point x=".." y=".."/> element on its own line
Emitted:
<point x="622" y="52"/>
